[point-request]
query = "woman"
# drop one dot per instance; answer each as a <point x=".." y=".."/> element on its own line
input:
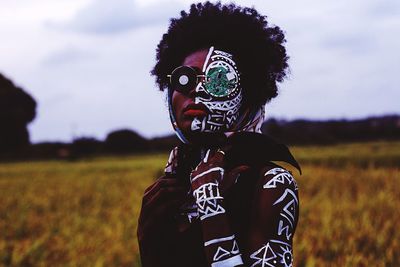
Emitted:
<point x="221" y="202"/>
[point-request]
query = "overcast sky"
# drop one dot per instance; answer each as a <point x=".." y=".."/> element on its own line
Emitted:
<point x="87" y="62"/>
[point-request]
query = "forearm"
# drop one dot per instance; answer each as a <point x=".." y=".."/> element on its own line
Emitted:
<point x="220" y="244"/>
<point x="156" y="230"/>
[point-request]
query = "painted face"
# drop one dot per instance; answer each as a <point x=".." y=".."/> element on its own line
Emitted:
<point x="220" y="92"/>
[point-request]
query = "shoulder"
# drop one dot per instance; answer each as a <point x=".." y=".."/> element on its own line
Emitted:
<point x="272" y="178"/>
<point x="285" y="200"/>
<point x="275" y="177"/>
<point x="275" y="196"/>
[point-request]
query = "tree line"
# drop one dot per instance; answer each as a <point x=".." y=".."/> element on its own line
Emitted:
<point x="18" y="109"/>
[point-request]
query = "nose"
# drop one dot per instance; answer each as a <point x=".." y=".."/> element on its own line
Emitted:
<point x="192" y="92"/>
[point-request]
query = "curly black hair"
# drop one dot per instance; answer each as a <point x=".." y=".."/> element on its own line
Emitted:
<point x="257" y="47"/>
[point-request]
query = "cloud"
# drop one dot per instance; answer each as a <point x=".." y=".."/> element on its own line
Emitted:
<point x="384" y="9"/>
<point x="69" y="54"/>
<point x="343" y="61"/>
<point x="108" y="17"/>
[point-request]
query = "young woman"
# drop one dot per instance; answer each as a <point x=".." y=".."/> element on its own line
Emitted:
<point x="221" y="202"/>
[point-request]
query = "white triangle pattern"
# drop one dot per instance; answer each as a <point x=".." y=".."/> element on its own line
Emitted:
<point x="220" y="253"/>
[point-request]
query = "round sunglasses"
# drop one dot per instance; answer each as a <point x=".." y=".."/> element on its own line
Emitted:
<point x="218" y="82"/>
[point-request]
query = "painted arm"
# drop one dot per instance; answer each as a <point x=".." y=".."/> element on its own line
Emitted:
<point x="274" y="220"/>
<point x="274" y="216"/>
<point x="220" y="244"/>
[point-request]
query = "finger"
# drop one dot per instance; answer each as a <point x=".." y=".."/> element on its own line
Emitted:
<point x="206" y="157"/>
<point x="168" y="207"/>
<point x="155" y="220"/>
<point x="152" y="185"/>
<point x="162" y="200"/>
<point x="211" y="158"/>
<point x="164" y="195"/>
<point x="161" y="182"/>
<point x="218" y="157"/>
<point x="163" y="207"/>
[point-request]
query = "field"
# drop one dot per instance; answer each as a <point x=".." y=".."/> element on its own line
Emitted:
<point x="84" y="213"/>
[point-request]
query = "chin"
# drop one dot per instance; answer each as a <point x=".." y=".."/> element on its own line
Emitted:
<point x="186" y="127"/>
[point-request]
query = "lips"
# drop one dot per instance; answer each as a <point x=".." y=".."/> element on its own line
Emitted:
<point x="195" y="110"/>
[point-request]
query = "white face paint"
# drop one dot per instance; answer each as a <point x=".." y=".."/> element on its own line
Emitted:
<point x="220" y="92"/>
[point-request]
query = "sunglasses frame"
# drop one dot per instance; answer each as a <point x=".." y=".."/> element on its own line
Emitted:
<point x="183" y="88"/>
<point x="198" y="76"/>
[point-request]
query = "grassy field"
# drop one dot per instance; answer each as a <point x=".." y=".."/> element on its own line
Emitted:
<point x="84" y="213"/>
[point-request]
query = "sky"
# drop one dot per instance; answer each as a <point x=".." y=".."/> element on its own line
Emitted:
<point x="87" y="62"/>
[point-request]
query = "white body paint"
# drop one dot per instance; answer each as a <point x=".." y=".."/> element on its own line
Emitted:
<point x="281" y="176"/>
<point x="234" y="261"/>
<point x="217" y="240"/>
<point x="277" y="252"/>
<point x="207" y="196"/>
<point x="215" y="169"/>
<point x="274" y="252"/>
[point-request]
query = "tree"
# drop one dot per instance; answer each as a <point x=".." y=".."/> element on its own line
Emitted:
<point x="17" y="109"/>
<point x="125" y="141"/>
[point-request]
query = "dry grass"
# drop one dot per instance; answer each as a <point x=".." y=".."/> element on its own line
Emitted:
<point x="85" y="213"/>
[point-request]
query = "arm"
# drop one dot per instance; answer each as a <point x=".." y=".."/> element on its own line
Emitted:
<point x="221" y="247"/>
<point x="274" y="219"/>
<point x="160" y="202"/>
<point x="274" y="216"/>
<point x="155" y="226"/>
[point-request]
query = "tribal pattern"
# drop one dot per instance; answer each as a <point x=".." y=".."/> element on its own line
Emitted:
<point x="229" y="106"/>
<point x="226" y="250"/>
<point x="274" y="253"/>
<point x="223" y="111"/>
<point x="288" y="200"/>
<point x="281" y="176"/>
<point x="208" y="200"/>
<point x="288" y="213"/>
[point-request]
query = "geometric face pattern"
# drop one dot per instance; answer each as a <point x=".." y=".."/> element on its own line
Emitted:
<point x="222" y="114"/>
<point x="208" y="200"/>
<point x="281" y="176"/>
<point x="223" y="111"/>
<point x="274" y="253"/>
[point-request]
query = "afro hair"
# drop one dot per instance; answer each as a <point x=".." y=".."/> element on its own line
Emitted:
<point x="257" y="47"/>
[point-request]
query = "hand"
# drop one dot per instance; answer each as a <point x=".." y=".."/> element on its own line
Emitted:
<point x="159" y="204"/>
<point x="211" y="170"/>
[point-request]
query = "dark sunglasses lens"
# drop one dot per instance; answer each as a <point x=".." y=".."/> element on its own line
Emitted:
<point x="183" y="79"/>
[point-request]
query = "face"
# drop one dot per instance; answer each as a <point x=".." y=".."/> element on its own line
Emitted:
<point x="184" y="103"/>
<point x="212" y="104"/>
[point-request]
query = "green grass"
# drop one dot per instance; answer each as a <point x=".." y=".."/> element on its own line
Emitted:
<point x="84" y="213"/>
<point x="376" y="154"/>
